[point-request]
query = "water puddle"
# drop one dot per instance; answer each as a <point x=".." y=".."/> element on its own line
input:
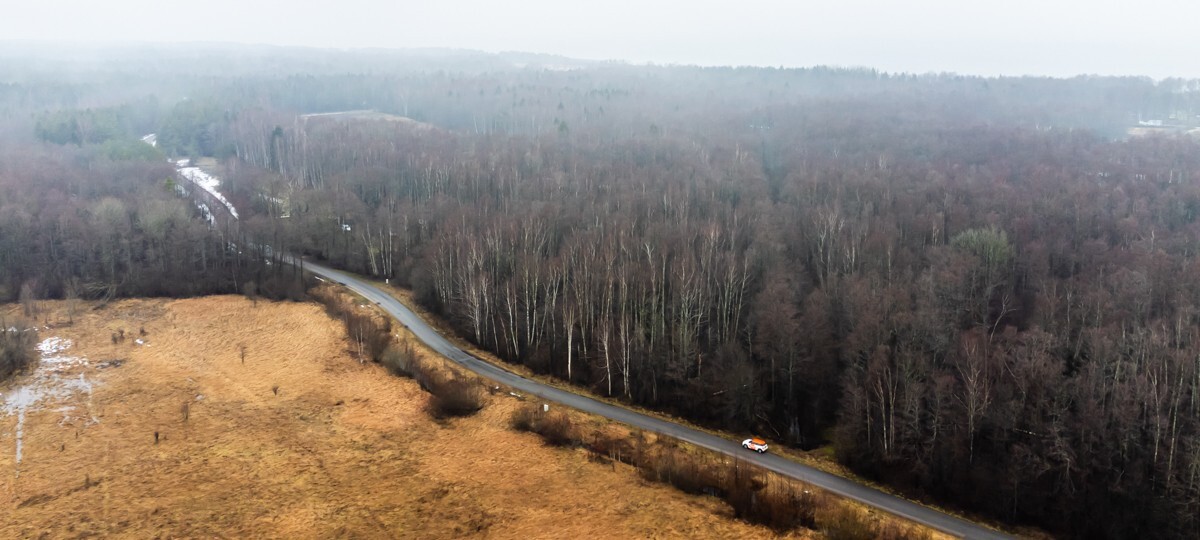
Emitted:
<point x="57" y="378"/>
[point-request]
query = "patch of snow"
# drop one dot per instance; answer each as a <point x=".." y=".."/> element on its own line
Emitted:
<point x="207" y="182"/>
<point x="46" y="384"/>
<point x="53" y="345"/>
<point x="278" y="203"/>
<point x="212" y="220"/>
<point x="66" y="412"/>
<point x="20" y="434"/>
<point x="20" y="399"/>
<point x="273" y="200"/>
<point x="151" y="139"/>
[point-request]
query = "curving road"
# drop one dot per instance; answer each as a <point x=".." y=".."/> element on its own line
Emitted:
<point x="829" y="482"/>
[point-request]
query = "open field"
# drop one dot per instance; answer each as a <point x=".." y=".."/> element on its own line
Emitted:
<point x="299" y="440"/>
<point x="367" y="114"/>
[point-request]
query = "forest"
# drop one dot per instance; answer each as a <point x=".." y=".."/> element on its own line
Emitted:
<point x="979" y="291"/>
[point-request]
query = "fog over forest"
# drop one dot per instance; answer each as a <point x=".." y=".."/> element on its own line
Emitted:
<point x="983" y="292"/>
<point x="1155" y="38"/>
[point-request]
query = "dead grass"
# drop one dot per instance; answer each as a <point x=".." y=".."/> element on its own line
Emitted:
<point x="752" y="493"/>
<point x="338" y="449"/>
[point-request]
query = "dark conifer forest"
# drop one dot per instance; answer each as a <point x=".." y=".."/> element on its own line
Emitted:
<point x="984" y="292"/>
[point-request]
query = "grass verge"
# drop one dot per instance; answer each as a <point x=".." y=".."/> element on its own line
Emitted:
<point x="754" y="494"/>
<point x="451" y="393"/>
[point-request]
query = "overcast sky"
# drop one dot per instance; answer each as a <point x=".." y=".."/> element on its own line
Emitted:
<point x="1159" y="38"/>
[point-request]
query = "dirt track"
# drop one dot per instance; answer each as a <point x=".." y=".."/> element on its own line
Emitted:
<point x="300" y="441"/>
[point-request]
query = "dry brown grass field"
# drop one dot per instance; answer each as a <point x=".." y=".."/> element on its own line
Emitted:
<point x="298" y="440"/>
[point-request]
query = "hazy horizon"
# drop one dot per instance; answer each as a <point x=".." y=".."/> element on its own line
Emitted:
<point x="1022" y="37"/>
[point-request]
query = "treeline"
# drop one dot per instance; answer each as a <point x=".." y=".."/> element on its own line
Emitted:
<point x="76" y="224"/>
<point x="617" y="102"/>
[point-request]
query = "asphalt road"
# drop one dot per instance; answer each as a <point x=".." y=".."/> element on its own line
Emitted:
<point x="829" y="482"/>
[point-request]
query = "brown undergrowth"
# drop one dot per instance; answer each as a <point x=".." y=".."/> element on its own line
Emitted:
<point x="452" y="392"/>
<point x="752" y="493"/>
